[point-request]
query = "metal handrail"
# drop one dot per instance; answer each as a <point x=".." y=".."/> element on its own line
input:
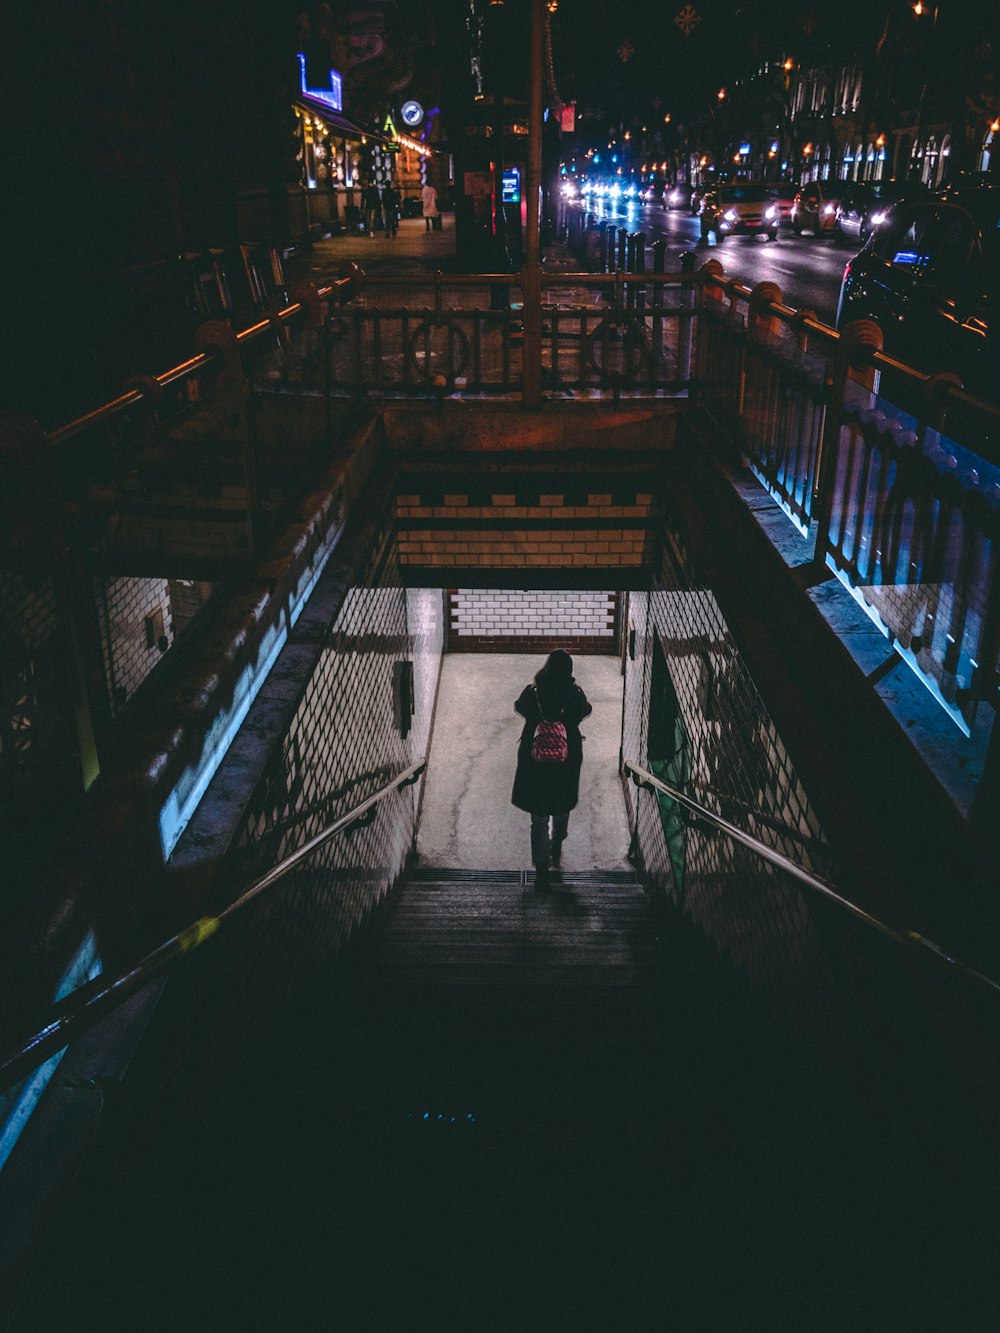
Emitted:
<point x="880" y="360"/>
<point x="186" y="368"/>
<point x="84" y="1006"/>
<point x="909" y="939"/>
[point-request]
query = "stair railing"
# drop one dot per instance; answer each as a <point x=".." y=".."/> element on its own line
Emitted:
<point x="85" y="1006"/>
<point x="701" y="815"/>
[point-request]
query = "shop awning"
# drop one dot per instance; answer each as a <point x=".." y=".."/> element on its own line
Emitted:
<point x="337" y="122"/>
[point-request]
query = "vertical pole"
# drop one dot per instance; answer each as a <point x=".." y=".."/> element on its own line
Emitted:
<point x="531" y="392"/>
<point x="685" y="328"/>
<point x="857" y="342"/>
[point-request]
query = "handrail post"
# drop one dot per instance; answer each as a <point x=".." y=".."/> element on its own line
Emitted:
<point x="218" y="337"/>
<point x="709" y="296"/>
<point x="852" y="361"/>
<point x="531" y="381"/>
<point x="760" y="323"/>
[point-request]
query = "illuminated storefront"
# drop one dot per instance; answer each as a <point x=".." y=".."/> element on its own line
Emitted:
<point x="338" y="158"/>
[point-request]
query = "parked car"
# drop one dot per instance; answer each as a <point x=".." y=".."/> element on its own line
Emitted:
<point x="930" y="277"/>
<point x="784" y="198"/>
<point x="815" y="207"/>
<point x="677" y="196"/>
<point x="866" y="205"/>
<point x="411" y="207"/>
<point x="746" y="209"/>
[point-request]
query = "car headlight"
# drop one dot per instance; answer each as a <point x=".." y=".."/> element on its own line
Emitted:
<point x="829" y="210"/>
<point x="731" y="215"/>
<point x="877" y="219"/>
<point x="615" y="192"/>
<point x="772" y="212"/>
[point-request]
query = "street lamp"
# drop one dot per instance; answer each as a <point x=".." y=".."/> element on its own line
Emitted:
<point x="919" y="9"/>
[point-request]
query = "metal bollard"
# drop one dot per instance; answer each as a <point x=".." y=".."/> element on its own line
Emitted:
<point x="639" y="266"/>
<point x="630" y="250"/>
<point x="685" y="330"/>
<point x="659" y="266"/>
<point x="607" y="247"/>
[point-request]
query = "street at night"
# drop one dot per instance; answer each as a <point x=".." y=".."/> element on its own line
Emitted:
<point x="808" y="270"/>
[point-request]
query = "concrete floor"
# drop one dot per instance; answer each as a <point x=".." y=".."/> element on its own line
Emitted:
<point x="467" y="819"/>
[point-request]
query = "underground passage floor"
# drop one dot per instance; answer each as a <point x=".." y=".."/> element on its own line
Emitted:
<point x="514" y="1110"/>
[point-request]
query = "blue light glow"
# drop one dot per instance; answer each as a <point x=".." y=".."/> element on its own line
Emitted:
<point x="332" y="96"/>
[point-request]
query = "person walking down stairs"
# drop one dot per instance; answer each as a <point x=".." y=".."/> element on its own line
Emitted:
<point x="549" y="758"/>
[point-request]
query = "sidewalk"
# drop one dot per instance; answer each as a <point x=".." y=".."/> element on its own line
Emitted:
<point x="413" y="250"/>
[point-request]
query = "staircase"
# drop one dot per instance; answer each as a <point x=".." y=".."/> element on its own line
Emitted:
<point x="510" y="1110"/>
<point x="488" y="940"/>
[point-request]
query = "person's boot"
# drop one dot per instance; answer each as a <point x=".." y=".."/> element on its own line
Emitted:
<point x="541" y="878"/>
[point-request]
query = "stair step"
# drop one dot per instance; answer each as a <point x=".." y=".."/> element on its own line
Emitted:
<point x="486" y="941"/>
<point x="452" y="875"/>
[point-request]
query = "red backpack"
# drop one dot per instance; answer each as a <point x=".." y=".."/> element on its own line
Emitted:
<point x="549" y="745"/>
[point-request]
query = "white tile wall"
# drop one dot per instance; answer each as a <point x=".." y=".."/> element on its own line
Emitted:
<point x="502" y="613"/>
<point x="124" y="605"/>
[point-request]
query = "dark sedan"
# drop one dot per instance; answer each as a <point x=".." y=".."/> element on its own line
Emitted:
<point x="865" y="207"/>
<point x="930" y="277"/>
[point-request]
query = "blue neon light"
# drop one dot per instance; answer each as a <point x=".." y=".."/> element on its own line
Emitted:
<point x="332" y="96"/>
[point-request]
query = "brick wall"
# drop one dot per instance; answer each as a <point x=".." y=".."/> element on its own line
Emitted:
<point x="528" y="522"/>
<point x="124" y="606"/>
<point x="516" y="620"/>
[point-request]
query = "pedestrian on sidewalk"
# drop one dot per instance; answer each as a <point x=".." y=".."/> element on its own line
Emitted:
<point x="549" y="758"/>
<point x="429" y="203"/>
<point x="371" y="201"/>
<point x="390" y="209"/>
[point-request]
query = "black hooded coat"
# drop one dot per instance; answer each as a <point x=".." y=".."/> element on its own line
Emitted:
<point x="550" y="789"/>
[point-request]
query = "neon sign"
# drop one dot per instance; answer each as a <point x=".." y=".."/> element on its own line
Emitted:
<point x="332" y="96"/>
<point x="510" y="186"/>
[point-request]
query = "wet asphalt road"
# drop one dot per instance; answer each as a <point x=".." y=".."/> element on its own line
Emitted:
<point x="807" y="270"/>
